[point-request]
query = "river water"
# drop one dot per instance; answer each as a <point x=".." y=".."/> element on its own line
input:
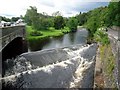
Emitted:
<point x="78" y="37"/>
<point x="68" y="67"/>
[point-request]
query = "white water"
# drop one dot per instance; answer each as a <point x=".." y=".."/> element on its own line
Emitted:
<point x="75" y="71"/>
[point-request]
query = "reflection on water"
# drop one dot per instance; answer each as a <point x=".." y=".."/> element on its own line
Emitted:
<point x="78" y="37"/>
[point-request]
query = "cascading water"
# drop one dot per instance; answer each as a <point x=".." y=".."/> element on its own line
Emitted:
<point x="68" y="67"/>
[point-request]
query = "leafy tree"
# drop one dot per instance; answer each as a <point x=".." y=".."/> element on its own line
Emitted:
<point x="37" y="20"/>
<point x="72" y="23"/>
<point x="14" y="19"/>
<point x="32" y="17"/>
<point x="113" y="16"/>
<point x="82" y="18"/>
<point x="96" y="20"/>
<point x="45" y="23"/>
<point x="59" y="22"/>
<point x="4" y="19"/>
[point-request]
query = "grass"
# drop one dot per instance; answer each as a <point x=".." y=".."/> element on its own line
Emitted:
<point x="108" y="61"/>
<point x="35" y="41"/>
<point x="107" y="56"/>
<point x="51" y="32"/>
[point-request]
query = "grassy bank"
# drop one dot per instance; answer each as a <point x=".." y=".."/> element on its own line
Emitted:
<point x="36" y="38"/>
<point x="46" y="33"/>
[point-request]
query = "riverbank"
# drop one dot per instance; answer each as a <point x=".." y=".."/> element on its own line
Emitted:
<point x="36" y="38"/>
<point x="105" y="68"/>
<point x="51" y="32"/>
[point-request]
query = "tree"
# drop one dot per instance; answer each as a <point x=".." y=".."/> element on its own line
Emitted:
<point x="58" y="13"/>
<point x="72" y="24"/>
<point x="4" y="19"/>
<point x="82" y="18"/>
<point x="59" y="22"/>
<point x="14" y="19"/>
<point x="113" y="16"/>
<point x="45" y="23"/>
<point x="32" y="17"/>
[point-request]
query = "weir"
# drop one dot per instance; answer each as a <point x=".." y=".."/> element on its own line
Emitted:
<point x="68" y="67"/>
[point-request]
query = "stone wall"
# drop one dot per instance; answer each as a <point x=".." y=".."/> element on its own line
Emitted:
<point x="10" y="33"/>
<point x="115" y="44"/>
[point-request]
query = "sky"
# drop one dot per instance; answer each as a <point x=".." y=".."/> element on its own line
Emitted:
<point x="15" y="8"/>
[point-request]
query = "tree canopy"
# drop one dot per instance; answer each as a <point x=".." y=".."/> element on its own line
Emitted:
<point x="72" y="23"/>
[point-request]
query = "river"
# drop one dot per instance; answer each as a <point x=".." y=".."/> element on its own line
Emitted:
<point x="78" y="37"/>
<point x="68" y="67"/>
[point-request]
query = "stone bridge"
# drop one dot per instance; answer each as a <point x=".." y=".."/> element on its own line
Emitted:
<point x="7" y="34"/>
<point x="12" y="43"/>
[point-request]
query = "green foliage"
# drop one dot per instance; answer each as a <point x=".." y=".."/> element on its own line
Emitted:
<point x="65" y="30"/>
<point x="96" y="19"/>
<point x="14" y="19"/>
<point x="32" y="17"/>
<point x="4" y="19"/>
<point x="37" y="20"/>
<point x="72" y="23"/>
<point x="101" y="17"/>
<point x="45" y="33"/>
<point x="36" y="33"/>
<point x="113" y="15"/>
<point x="108" y="61"/>
<point x="82" y="18"/>
<point x="44" y="23"/>
<point x="59" y="22"/>
<point x="101" y="36"/>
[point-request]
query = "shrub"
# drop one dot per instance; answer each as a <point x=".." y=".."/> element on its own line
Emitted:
<point x="36" y="33"/>
<point x="101" y="36"/>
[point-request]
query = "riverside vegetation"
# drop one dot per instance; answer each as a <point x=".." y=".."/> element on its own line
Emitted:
<point x="96" y="21"/>
<point x="41" y="26"/>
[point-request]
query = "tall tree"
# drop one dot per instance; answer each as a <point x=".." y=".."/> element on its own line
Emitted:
<point x="59" y="22"/>
<point x="82" y="18"/>
<point x="72" y="23"/>
<point x="32" y="17"/>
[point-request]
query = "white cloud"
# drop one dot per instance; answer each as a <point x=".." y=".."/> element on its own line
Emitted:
<point x="67" y="7"/>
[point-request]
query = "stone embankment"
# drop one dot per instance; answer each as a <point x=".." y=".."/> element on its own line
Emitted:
<point x="107" y="69"/>
<point x="68" y="67"/>
<point x="114" y="36"/>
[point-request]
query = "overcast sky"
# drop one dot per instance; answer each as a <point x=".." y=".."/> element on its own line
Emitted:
<point x="10" y="8"/>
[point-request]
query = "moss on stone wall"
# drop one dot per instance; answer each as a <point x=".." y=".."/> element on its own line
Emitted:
<point x="108" y="63"/>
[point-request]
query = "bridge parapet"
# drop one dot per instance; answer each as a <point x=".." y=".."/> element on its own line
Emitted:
<point x="10" y="33"/>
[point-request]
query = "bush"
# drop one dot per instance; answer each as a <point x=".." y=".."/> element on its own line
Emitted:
<point x="101" y="36"/>
<point x="36" y="33"/>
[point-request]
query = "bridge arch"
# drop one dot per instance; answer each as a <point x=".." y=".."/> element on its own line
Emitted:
<point x="16" y="47"/>
<point x="12" y="42"/>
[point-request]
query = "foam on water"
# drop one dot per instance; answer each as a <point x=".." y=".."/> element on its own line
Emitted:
<point x="74" y="71"/>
